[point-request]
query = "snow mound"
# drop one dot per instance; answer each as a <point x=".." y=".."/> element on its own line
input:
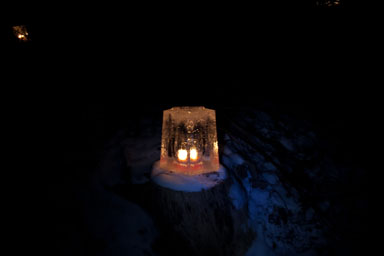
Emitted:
<point x="187" y="183"/>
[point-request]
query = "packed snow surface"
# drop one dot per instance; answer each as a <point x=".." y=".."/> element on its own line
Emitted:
<point x="187" y="183"/>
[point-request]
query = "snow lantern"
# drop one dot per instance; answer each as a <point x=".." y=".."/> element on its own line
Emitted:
<point x="189" y="141"/>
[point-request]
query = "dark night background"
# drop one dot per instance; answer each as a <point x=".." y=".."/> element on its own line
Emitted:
<point x="86" y="70"/>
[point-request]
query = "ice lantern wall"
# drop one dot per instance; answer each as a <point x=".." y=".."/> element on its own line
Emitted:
<point x="189" y="140"/>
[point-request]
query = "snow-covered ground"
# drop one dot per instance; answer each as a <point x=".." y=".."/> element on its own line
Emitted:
<point x="122" y="227"/>
<point x="274" y="208"/>
<point x="278" y="172"/>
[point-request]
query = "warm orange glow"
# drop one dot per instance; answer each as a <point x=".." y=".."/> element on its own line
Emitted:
<point x="182" y="154"/>
<point x="193" y="154"/>
<point x="21" y="33"/>
<point x="189" y="141"/>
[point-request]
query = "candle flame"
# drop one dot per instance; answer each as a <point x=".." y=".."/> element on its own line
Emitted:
<point x="182" y="154"/>
<point x="193" y="154"/>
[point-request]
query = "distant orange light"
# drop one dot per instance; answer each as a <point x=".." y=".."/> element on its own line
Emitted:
<point x="20" y="36"/>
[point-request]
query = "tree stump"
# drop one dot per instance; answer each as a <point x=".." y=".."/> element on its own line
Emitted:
<point x="205" y="221"/>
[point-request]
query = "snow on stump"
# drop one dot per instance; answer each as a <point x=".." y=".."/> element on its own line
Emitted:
<point x="184" y="182"/>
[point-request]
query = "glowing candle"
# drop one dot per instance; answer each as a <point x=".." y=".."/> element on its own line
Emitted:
<point x="182" y="155"/>
<point x="193" y="154"/>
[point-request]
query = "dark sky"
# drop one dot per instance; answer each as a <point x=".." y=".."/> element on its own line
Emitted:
<point x="286" y="52"/>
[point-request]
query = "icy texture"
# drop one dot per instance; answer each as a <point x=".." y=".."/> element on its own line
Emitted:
<point x="187" y="131"/>
<point x="187" y="183"/>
